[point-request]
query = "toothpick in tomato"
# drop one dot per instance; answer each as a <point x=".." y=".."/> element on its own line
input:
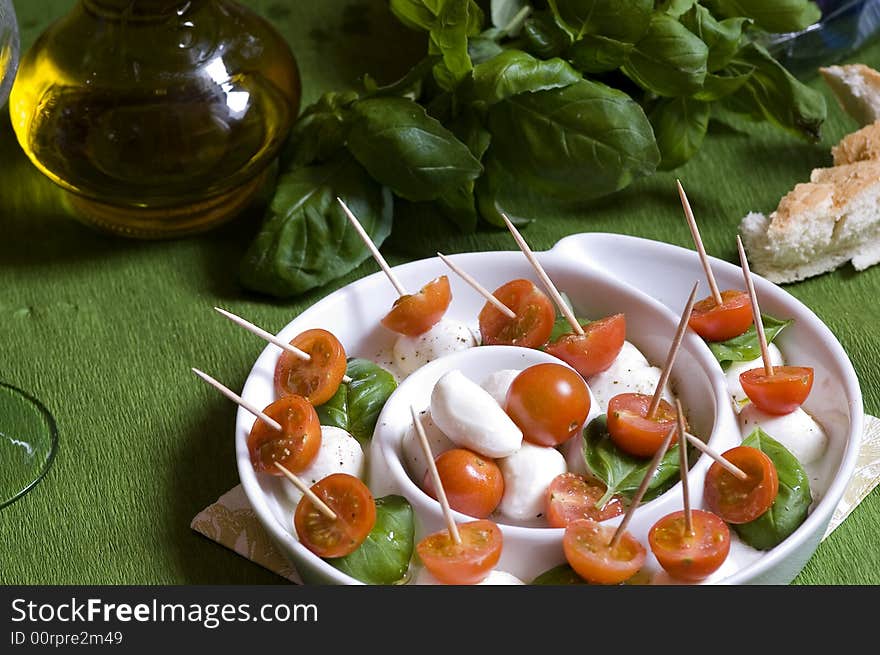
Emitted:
<point x="534" y="316"/>
<point x="473" y="483"/>
<point x="295" y="446"/>
<point x="465" y="563"/>
<point x="549" y="403"/>
<point x="630" y="427"/>
<point x="596" y="349"/>
<point x="781" y="392"/>
<point x="690" y="556"/>
<point x="571" y="497"/>
<point x="415" y="313"/>
<point x="714" y="322"/>
<point x="736" y="500"/>
<point x="317" y="378"/>
<point x="587" y="546"/>
<point x="355" y="510"/>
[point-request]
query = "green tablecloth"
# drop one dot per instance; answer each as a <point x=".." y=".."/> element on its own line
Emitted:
<point x="104" y="330"/>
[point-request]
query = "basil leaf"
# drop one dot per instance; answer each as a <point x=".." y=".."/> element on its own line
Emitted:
<point x="319" y="132"/>
<point x="306" y="239"/>
<point x="408" y="86"/>
<point x="504" y="11"/>
<point x="723" y="38"/>
<point x="487" y="188"/>
<point x="598" y="54"/>
<point x="543" y="37"/>
<point x="719" y="86"/>
<point x="623" y="473"/>
<point x="383" y="558"/>
<point x="482" y="49"/>
<point x="775" y="95"/>
<point x="356" y="405"/>
<point x="562" y="574"/>
<point x="513" y="72"/>
<point x="580" y="141"/>
<point x="414" y="13"/>
<point x="674" y="7"/>
<point x="669" y="60"/>
<point x="448" y="38"/>
<point x="561" y="327"/>
<point x="680" y="125"/>
<point x="775" y="16"/>
<point x="792" y="502"/>
<point x="621" y="21"/>
<point x="746" y="347"/>
<point x="407" y="150"/>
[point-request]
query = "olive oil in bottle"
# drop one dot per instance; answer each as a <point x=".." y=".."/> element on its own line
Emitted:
<point x="158" y="117"/>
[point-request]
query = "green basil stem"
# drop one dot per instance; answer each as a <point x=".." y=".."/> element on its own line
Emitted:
<point x="640" y="492"/>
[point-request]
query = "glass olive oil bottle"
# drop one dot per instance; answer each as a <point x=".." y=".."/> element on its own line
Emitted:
<point x="159" y="117"/>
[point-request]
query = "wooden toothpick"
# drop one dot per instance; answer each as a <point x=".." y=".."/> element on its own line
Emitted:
<point x="683" y="469"/>
<point x="698" y="242"/>
<point x="372" y="248"/>
<point x="435" y="475"/>
<point x="756" y="311"/>
<point x="271" y="338"/>
<point x="700" y="445"/>
<point x="300" y="484"/>
<point x="548" y="283"/>
<point x="479" y="288"/>
<point x="643" y="487"/>
<point x="673" y="351"/>
<point x="238" y="400"/>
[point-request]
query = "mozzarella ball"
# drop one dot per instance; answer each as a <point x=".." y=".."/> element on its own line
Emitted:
<point x="470" y="417"/>
<point x="413" y="457"/>
<point x="339" y="453"/>
<point x="796" y="431"/>
<point x="527" y="474"/>
<point x="495" y="577"/>
<point x="732" y="373"/>
<point x="629" y="373"/>
<point x="446" y="337"/>
<point x="498" y="384"/>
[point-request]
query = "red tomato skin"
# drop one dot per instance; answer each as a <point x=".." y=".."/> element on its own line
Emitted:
<point x="533" y="324"/>
<point x="738" y="501"/>
<point x="461" y="564"/>
<point x="316" y="380"/>
<point x="294" y="448"/>
<point x="695" y="557"/>
<point x="781" y="393"/>
<point x="596" y="349"/>
<point x="720" y="323"/>
<point x="586" y="546"/>
<point x="571" y="497"/>
<point x="632" y="431"/>
<point x="473" y="484"/>
<point x="549" y="403"/>
<point x="354" y="506"/>
<point x="416" y="313"/>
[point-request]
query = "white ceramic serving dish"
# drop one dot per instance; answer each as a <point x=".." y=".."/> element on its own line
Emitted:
<point x="602" y="274"/>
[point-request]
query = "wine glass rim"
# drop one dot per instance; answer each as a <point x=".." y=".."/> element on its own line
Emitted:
<point x="53" y="446"/>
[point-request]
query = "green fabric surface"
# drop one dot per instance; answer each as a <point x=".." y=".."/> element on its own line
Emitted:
<point x="104" y="331"/>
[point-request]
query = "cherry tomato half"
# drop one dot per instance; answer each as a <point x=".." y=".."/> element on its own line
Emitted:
<point x="780" y="393"/>
<point x="473" y="484"/>
<point x="465" y="563"/>
<point x="355" y="510"/>
<point x="631" y="429"/>
<point x="549" y="403"/>
<point x="693" y="556"/>
<point x="587" y="548"/>
<point x="596" y="349"/>
<point x="416" y="313"/>
<point x="722" y="322"/>
<point x="318" y="378"/>
<point x="571" y="497"/>
<point x="534" y="317"/>
<point x="295" y="446"/>
<point x="741" y="501"/>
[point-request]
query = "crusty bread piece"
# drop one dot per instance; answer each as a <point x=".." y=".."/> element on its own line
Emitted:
<point x="819" y="225"/>
<point x="835" y="217"/>
<point x="857" y="89"/>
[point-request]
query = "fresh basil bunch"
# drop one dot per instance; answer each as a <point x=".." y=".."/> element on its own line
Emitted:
<point x="573" y="98"/>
